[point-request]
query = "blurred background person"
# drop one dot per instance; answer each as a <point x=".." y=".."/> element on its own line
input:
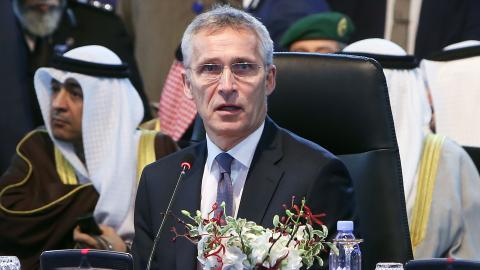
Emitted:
<point x="279" y="15"/>
<point x="440" y="180"/>
<point x="326" y="32"/>
<point x="56" y="26"/>
<point x="176" y="112"/>
<point x="420" y="27"/>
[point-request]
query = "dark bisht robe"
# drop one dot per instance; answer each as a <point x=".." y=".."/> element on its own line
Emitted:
<point x="38" y="211"/>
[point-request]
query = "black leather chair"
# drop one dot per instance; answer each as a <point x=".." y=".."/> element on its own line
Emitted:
<point x="85" y="259"/>
<point x="341" y="103"/>
<point x="474" y="153"/>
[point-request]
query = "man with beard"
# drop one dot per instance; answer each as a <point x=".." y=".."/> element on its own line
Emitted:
<point x="88" y="158"/>
<point x="55" y="26"/>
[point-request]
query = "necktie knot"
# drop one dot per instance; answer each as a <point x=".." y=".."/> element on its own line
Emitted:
<point x="224" y="161"/>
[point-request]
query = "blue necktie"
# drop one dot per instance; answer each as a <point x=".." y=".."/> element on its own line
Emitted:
<point x="225" y="187"/>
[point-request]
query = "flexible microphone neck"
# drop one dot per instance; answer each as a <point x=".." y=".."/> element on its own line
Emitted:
<point x="186" y="165"/>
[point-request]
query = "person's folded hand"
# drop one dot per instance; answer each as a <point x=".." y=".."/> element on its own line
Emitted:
<point x="109" y="239"/>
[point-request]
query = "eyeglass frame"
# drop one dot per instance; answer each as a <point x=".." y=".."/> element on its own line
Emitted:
<point x="222" y="68"/>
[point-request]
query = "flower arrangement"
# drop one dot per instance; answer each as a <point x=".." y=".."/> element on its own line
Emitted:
<point x="227" y="243"/>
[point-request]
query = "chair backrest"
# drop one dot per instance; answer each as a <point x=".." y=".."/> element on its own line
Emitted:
<point x="442" y="264"/>
<point x="474" y="153"/>
<point x="341" y="103"/>
<point x="85" y="258"/>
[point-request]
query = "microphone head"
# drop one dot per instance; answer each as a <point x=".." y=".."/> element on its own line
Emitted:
<point x="187" y="161"/>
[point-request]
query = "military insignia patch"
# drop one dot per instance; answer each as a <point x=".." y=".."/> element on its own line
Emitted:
<point x="342" y="27"/>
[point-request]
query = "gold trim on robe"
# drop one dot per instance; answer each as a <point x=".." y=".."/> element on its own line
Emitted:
<point x="64" y="169"/>
<point x="25" y="179"/>
<point x="146" y="151"/>
<point x="425" y="186"/>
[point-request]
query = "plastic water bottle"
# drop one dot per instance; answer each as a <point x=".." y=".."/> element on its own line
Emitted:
<point x="349" y="256"/>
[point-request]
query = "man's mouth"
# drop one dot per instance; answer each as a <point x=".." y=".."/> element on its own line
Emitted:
<point x="59" y="121"/>
<point x="228" y="108"/>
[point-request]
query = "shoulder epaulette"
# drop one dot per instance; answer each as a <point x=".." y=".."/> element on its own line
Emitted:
<point x="93" y="5"/>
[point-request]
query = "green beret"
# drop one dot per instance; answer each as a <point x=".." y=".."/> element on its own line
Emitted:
<point x="325" y="25"/>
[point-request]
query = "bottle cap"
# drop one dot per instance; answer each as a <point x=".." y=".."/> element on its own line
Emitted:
<point x="345" y="225"/>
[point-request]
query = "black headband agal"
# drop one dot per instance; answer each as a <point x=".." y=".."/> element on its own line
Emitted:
<point x="89" y="68"/>
<point x="455" y="54"/>
<point x="390" y="61"/>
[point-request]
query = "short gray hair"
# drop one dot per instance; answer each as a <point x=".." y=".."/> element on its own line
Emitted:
<point x="221" y="17"/>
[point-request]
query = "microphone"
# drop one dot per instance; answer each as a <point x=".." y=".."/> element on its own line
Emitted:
<point x="186" y="165"/>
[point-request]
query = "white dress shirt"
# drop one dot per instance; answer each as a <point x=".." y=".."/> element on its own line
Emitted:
<point x="243" y="155"/>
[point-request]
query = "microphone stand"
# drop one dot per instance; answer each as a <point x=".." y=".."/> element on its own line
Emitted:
<point x="185" y="167"/>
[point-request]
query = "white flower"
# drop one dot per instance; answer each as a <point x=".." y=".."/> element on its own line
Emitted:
<point x="293" y="261"/>
<point x="260" y="247"/>
<point x="278" y="251"/>
<point x="233" y="259"/>
<point x="208" y="263"/>
<point x="302" y="232"/>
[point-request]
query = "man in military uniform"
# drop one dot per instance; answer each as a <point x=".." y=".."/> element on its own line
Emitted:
<point x="326" y="32"/>
<point x="278" y="15"/>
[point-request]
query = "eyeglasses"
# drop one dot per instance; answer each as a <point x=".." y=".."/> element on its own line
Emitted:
<point x="213" y="72"/>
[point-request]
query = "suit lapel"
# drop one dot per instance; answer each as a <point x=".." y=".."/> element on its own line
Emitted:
<point x="189" y="199"/>
<point x="263" y="176"/>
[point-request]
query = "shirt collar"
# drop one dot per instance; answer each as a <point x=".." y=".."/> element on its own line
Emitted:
<point x="242" y="152"/>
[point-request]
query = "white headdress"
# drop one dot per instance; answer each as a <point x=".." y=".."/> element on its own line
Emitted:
<point x="410" y="108"/>
<point x="112" y="110"/>
<point x="454" y="83"/>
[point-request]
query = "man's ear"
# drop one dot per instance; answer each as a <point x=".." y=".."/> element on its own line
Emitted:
<point x="270" y="81"/>
<point x="187" y="85"/>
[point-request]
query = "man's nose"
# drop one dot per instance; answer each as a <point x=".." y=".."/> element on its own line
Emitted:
<point x="227" y="81"/>
<point x="60" y="100"/>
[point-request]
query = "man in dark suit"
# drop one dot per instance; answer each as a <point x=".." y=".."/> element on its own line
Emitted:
<point x="229" y="74"/>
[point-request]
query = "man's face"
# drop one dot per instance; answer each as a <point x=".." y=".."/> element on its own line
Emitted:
<point x="315" y="46"/>
<point x="235" y="103"/>
<point x="66" y="110"/>
<point x="39" y="17"/>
